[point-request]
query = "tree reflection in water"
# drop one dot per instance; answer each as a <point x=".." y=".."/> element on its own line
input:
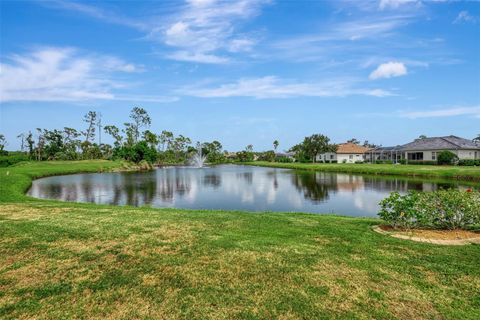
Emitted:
<point x="234" y="188"/>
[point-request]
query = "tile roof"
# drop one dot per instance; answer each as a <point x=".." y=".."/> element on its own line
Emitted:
<point x="440" y="143"/>
<point x="351" y="148"/>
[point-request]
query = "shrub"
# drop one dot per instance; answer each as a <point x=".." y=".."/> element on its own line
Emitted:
<point x="443" y="209"/>
<point x="447" y="157"/>
<point x="11" y="159"/>
<point x="245" y="156"/>
<point x="136" y="153"/>
<point x="283" y="159"/>
<point x="344" y="161"/>
<point x="402" y="161"/>
<point x="469" y="162"/>
<point x="398" y="210"/>
<point x="334" y="161"/>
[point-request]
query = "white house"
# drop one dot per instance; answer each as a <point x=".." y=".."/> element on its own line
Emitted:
<point x="346" y="153"/>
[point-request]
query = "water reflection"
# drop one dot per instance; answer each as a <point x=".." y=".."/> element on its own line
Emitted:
<point x="233" y="188"/>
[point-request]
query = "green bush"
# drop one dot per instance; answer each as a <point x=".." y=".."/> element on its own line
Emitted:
<point x="443" y="209"/>
<point x="402" y="161"/>
<point x="136" y="153"/>
<point x="283" y="159"/>
<point x="11" y="159"/>
<point x="447" y="157"/>
<point x="469" y="162"/>
<point x="245" y="156"/>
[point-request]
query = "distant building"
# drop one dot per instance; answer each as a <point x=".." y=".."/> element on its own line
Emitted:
<point x="346" y="153"/>
<point x="427" y="149"/>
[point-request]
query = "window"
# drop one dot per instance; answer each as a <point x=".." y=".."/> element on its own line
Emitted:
<point x="415" y="156"/>
<point x="434" y="155"/>
<point x="332" y="156"/>
<point x="351" y="156"/>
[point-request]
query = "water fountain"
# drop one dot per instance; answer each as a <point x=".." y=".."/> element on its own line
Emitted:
<point x="198" y="159"/>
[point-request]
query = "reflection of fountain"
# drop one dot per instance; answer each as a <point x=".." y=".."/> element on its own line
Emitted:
<point x="198" y="159"/>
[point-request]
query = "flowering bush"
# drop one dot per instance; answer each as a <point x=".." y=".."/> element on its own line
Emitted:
<point x="443" y="209"/>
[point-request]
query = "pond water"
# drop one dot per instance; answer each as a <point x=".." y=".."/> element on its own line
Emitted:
<point x="234" y="187"/>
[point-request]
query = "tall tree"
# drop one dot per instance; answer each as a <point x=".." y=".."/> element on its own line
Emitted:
<point x="165" y="139"/>
<point x="476" y="139"/>
<point x="275" y="145"/>
<point x="316" y="144"/>
<point x="115" y="133"/>
<point x="91" y="119"/>
<point x="40" y="144"/>
<point x="71" y="141"/>
<point x="150" y="138"/>
<point x="21" y="136"/>
<point x="140" y="119"/>
<point x="3" y="143"/>
<point x="30" y="143"/>
<point x="422" y="136"/>
<point x="354" y="141"/>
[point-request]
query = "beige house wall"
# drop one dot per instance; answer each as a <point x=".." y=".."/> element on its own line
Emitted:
<point x="462" y="154"/>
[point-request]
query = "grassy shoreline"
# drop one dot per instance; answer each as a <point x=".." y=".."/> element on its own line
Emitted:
<point x="72" y="260"/>
<point x="449" y="172"/>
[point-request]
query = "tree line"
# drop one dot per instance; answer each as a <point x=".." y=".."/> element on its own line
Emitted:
<point x="133" y="142"/>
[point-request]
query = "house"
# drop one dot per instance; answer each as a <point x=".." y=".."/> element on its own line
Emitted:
<point x="427" y="149"/>
<point x="346" y="153"/>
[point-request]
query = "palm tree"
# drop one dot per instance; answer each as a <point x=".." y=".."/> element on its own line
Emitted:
<point x="275" y="145"/>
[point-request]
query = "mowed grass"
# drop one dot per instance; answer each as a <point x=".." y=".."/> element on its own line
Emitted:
<point x="455" y="172"/>
<point x="66" y="260"/>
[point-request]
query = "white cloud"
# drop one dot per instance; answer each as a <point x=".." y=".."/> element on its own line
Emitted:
<point x="388" y="70"/>
<point x="241" y="45"/>
<point x="197" y="57"/>
<point x="63" y="74"/>
<point x="394" y="4"/>
<point x="464" y="17"/>
<point x="205" y="27"/>
<point x="95" y="12"/>
<point x="272" y="87"/>
<point x="449" y="112"/>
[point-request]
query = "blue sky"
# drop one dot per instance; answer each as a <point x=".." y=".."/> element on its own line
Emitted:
<point x="245" y="72"/>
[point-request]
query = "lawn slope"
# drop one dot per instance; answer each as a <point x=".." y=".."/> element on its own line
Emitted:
<point x="66" y="260"/>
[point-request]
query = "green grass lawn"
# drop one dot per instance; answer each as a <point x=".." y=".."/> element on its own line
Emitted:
<point x="83" y="261"/>
<point x="456" y="172"/>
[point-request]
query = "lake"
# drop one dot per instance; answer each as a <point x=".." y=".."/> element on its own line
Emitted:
<point x="234" y="187"/>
